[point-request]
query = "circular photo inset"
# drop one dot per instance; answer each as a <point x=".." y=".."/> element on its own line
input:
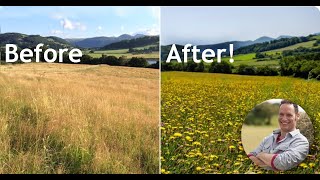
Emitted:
<point x="277" y="134"/>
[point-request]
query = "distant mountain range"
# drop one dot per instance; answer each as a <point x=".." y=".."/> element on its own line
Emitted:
<point x="225" y="45"/>
<point x="98" y="42"/>
<point x="30" y="41"/>
<point x="239" y="44"/>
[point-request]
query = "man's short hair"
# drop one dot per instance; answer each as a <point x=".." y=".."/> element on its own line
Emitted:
<point x="285" y="101"/>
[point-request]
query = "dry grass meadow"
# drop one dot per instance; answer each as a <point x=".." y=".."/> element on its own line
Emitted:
<point x="63" y="118"/>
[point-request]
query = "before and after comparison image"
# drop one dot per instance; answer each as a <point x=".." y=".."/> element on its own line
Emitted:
<point x="159" y="90"/>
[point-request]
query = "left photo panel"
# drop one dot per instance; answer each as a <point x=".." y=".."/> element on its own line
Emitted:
<point x="79" y="90"/>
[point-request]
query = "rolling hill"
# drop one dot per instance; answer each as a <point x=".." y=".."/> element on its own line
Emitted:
<point x="133" y="43"/>
<point x="225" y="45"/>
<point x="29" y="41"/>
<point x="271" y="51"/>
<point x="98" y="42"/>
<point x="273" y="55"/>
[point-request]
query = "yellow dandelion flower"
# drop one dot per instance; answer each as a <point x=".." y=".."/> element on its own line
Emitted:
<point x="188" y="138"/>
<point x="198" y="168"/>
<point x="213" y="157"/>
<point x="196" y="143"/>
<point x="216" y="165"/>
<point x="311" y="165"/>
<point x="177" y="134"/>
<point x="163" y="170"/>
<point x="303" y="165"/>
<point x="232" y="147"/>
<point x="237" y="164"/>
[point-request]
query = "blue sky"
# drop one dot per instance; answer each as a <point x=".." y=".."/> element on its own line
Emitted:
<point x="80" y="21"/>
<point x="211" y="25"/>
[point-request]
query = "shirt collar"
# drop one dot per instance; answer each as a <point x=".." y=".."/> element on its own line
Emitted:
<point x="295" y="132"/>
<point x="277" y="131"/>
<point x="292" y="133"/>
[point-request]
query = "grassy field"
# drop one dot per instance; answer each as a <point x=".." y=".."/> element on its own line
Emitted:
<point x="249" y="58"/>
<point x="63" y="118"/>
<point x="308" y="44"/>
<point x="123" y="52"/>
<point x="270" y="63"/>
<point x="202" y="116"/>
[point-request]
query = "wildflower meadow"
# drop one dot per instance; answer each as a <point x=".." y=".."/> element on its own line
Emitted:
<point x="202" y="115"/>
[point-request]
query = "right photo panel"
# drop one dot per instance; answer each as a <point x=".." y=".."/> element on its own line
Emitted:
<point x="240" y="90"/>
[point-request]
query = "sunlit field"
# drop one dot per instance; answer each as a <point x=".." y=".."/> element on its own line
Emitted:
<point x="123" y="52"/>
<point x="63" y="118"/>
<point x="202" y="116"/>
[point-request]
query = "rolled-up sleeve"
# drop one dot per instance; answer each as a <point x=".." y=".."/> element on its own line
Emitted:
<point x="291" y="157"/>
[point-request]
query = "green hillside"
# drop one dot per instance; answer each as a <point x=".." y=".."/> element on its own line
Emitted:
<point x="133" y="43"/>
<point x="297" y="57"/>
<point x="275" y="54"/>
<point x="140" y="52"/>
<point x="30" y="41"/>
<point x="308" y="44"/>
<point x="123" y="52"/>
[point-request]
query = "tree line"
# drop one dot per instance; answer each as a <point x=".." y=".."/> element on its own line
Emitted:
<point x="301" y="62"/>
<point x="271" y="45"/>
<point x="223" y="67"/>
<point x="104" y="59"/>
<point x="144" y="50"/>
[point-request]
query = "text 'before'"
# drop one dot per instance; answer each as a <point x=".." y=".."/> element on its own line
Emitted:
<point x="49" y="55"/>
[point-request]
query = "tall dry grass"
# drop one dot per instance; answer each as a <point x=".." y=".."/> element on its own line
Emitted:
<point x="59" y="118"/>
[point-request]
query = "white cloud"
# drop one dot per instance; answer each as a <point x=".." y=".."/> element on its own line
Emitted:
<point x="99" y="28"/>
<point x="56" y="32"/>
<point x="318" y="7"/>
<point x="1" y="7"/>
<point x="122" y="28"/>
<point x="154" y="30"/>
<point x="68" y="24"/>
<point x="151" y="31"/>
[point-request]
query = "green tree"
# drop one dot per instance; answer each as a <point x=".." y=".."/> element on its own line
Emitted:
<point x="222" y="67"/>
<point x="200" y="67"/>
<point x="138" y="62"/>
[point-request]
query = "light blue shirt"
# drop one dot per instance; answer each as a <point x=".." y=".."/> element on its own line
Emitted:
<point x="289" y="152"/>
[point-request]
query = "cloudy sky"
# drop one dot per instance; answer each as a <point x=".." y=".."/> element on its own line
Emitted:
<point x="80" y="21"/>
<point x="210" y="25"/>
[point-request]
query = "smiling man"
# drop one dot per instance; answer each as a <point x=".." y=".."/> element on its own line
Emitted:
<point x="286" y="147"/>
